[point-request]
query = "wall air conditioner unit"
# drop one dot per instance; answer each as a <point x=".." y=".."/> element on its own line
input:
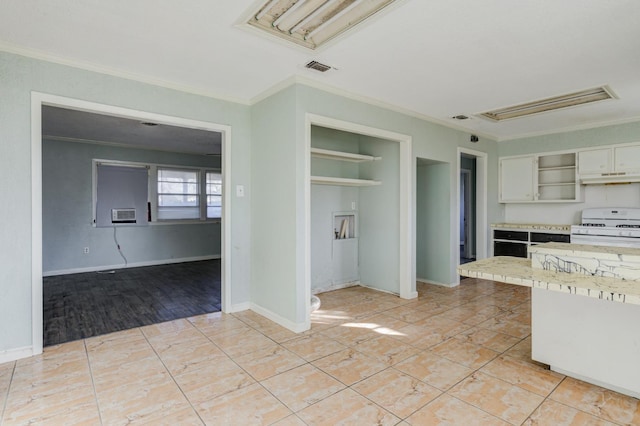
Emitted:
<point x="123" y="215"/>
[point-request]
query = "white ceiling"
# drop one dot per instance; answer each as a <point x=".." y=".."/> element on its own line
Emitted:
<point x="432" y="58"/>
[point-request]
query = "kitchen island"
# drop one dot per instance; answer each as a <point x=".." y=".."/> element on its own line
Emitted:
<point x="585" y="316"/>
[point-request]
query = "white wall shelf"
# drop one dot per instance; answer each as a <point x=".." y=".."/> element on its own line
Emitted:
<point x="327" y="180"/>
<point x="341" y="156"/>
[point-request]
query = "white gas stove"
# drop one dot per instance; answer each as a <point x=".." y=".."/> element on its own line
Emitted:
<point x="608" y="227"/>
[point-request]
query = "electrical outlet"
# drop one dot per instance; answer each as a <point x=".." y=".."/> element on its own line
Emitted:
<point x="85" y="250"/>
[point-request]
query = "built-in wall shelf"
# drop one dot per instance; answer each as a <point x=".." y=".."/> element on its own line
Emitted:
<point x="328" y="180"/>
<point x="341" y="156"/>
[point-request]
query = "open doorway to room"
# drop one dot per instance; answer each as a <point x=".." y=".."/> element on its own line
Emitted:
<point x="132" y="220"/>
<point x="467" y="208"/>
<point x="472" y="231"/>
<point x="433" y="221"/>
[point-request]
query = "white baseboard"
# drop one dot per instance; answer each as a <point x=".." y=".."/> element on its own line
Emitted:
<point x="239" y="307"/>
<point x="129" y="265"/>
<point x="333" y="287"/>
<point x="17" y="353"/>
<point x="423" y="280"/>
<point x="293" y="326"/>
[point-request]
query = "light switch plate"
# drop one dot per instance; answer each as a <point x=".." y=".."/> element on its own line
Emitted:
<point x="239" y="190"/>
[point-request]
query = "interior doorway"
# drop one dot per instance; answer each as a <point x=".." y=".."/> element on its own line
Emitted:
<point x="43" y="100"/>
<point x="467" y="208"/>
<point x="472" y="230"/>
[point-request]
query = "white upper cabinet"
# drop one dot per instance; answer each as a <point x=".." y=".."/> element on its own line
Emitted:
<point x="618" y="163"/>
<point x="516" y="179"/>
<point x="627" y="158"/>
<point x="539" y="178"/>
<point x="595" y="161"/>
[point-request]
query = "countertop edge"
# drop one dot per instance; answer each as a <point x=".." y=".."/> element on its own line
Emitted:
<point x="518" y="271"/>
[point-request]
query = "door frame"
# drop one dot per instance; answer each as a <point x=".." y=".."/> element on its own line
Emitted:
<point x="482" y="226"/>
<point x="38" y="100"/>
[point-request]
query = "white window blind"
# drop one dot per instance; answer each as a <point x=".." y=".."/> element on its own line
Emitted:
<point x="178" y="194"/>
<point x="214" y="195"/>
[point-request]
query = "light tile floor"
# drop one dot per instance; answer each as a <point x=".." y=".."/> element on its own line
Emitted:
<point x="456" y="356"/>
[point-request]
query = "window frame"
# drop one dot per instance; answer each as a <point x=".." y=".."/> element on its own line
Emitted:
<point x="153" y="190"/>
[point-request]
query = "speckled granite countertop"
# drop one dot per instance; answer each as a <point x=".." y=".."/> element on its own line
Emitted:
<point x="532" y="226"/>
<point x="512" y="270"/>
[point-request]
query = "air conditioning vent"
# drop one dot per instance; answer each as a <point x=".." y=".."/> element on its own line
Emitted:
<point x="123" y="215"/>
<point x="550" y="104"/>
<point x="315" y="65"/>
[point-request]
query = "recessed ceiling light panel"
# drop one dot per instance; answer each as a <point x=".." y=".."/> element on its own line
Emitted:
<point x="558" y="102"/>
<point x="310" y="23"/>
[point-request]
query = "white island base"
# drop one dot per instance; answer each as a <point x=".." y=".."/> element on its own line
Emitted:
<point x="585" y="316"/>
<point x="594" y="340"/>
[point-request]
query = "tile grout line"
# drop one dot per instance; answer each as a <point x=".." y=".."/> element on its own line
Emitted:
<point x="173" y="379"/>
<point x="93" y="383"/>
<point x="6" y="399"/>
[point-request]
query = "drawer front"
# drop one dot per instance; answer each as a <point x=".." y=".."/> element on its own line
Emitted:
<point x="541" y="237"/>
<point x="501" y="248"/>
<point x="511" y="235"/>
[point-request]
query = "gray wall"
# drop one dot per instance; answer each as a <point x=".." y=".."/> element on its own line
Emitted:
<point x="67" y="213"/>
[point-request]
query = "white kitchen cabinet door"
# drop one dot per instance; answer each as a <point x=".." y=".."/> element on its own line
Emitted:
<point x="594" y="161"/>
<point x="516" y="179"/>
<point x="627" y="158"/>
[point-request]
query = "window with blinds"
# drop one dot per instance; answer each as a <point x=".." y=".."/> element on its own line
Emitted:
<point x="178" y="194"/>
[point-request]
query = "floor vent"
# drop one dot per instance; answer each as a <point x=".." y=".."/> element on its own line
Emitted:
<point x="315" y="65"/>
<point x="550" y="104"/>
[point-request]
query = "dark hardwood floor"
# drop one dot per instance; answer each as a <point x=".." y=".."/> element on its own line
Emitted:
<point x="89" y="304"/>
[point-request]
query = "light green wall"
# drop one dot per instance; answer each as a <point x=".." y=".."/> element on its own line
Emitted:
<point x="67" y="211"/>
<point x="433" y="220"/>
<point x="380" y="216"/>
<point x="608" y="135"/>
<point x="268" y="157"/>
<point x="328" y="199"/>
<point x="19" y="76"/>
<point x="274" y="205"/>
<point x="429" y="140"/>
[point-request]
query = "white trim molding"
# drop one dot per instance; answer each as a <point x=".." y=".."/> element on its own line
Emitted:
<point x="17" y="353"/>
<point x="129" y="265"/>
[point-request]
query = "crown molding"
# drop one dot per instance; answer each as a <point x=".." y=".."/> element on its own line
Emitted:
<point x="298" y="79"/>
<point x="89" y="66"/>
<point x="572" y="129"/>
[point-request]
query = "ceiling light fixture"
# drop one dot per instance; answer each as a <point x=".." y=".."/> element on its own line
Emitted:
<point x="311" y="23"/>
<point x="551" y="104"/>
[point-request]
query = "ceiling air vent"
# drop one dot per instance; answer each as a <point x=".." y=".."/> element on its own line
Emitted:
<point x="550" y="104"/>
<point x="315" y="65"/>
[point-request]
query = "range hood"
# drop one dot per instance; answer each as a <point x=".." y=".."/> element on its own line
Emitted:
<point x="610" y="178"/>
